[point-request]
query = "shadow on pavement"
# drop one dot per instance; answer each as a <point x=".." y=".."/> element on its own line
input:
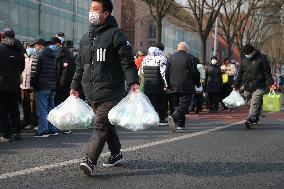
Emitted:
<point x="194" y="169"/>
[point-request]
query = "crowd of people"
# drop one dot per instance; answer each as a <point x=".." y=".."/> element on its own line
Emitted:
<point x="104" y="63"/>
<point x="36" y="75"/>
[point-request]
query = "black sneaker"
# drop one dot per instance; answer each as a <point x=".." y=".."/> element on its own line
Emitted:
<point x="248" y="124"/>
<point x="65" y="131"/>
<point x="41" y="135"/>
<point x="163" y="122"/>
<point x="4" y="140"/>
<point x="88" y="167"/>
<point x="113" y="160"/>
<point x="54" y="133"/>
<point x="180" y="128"/>
<point x="172" y="123"/>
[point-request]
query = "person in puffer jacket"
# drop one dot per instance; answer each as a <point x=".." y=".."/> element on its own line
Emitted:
<point x="153" y="70"/>
<point x="43" y="80"/>
<point x="12" y="64"/>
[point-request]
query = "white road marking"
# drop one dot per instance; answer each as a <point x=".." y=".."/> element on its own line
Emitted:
<point x="133" y="148"/>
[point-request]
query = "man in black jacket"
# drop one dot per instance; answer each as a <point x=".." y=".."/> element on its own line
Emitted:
<point x="12" y="64"/>
<point x="43" y="80"/>
<point x="104" y="62"/>
<point x="65" y="71"/>
<point x="182" y="76"/>
<point x="255" y="74"/>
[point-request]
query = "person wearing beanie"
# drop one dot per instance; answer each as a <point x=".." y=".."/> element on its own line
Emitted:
<point x="255" y="74"/>
<point x="12" y="64"/>
<point x="213" y="84"/>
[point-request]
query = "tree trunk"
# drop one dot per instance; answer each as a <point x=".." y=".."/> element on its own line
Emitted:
<point x="203" y="50"/>
<point x="159" y="31"/>
<point x="228" y="50"/>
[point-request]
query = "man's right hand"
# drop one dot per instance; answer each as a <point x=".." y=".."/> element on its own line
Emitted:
<point x="74" y="93"/>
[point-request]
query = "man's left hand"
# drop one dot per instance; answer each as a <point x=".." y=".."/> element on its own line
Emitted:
<point x="135" y="87"/>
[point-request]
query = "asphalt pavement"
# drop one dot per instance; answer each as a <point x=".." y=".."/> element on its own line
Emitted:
<point x="216" y="151"/>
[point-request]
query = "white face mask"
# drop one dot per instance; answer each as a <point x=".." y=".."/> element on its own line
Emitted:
<point x="94" y="17"/>
<point x="249" y="56"/>
<point x="214" y="61"/>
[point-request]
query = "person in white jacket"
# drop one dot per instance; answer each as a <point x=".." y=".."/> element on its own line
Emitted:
<point x="153" y="70"/>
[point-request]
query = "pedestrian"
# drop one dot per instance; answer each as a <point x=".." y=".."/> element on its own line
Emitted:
<point x="255" y="74"/>
<point x="65" y="71"/>
<point x="28" y="95"/>
<point x="198" y="95"/>
<point x="153" y="71"/>
<point x="12" y="64"/>
<point x="228" y="73"/>
<point x="213" y="84"/>
<point x="165" y="99"/>
<point x="105" y="60"/>
<point x="182" y="76"/>
<point x="43" y="80"/>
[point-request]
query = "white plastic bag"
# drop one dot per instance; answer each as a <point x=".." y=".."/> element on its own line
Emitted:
<point x="73" y="113"/>
<point x="234" y="100"/>
<point x="134" y="112"/>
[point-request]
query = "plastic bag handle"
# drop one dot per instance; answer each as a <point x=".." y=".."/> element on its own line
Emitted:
<point x="272" y="92"/>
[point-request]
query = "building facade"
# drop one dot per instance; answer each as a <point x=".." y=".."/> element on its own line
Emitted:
<point x="44" y="18"/>
<point x="140" y="29"/>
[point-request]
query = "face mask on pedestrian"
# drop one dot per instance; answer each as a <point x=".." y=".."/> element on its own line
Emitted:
<point x="61" y="39"/>
<point x="30" y="51"/>
<point x="94" y="17"/>
<point x="249" y="56"/>
<point x="54" y="47"/>
<point x="213" y="61"/>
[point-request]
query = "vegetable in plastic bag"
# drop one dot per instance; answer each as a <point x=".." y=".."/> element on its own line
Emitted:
<point x="234" y="100"/>
<point x="73" y="113"/>
<point x="134" y="112"/>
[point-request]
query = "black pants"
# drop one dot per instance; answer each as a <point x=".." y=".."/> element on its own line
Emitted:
<point x="60" y="97"/>
<point x="197" y="102"/>
<point x="29" y="107"/>
<point x="104" y="132"/>
<point x="9" y="113"/>
<point x="213" y="101"/>
<point x="159" y="103"/>
<point x="179" y="103"/>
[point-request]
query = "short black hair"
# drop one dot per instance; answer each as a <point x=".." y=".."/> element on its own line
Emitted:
<point x="214" y="57"/>
<point x="160" y="46"/>
<point x="107" y="5"/>
<point x="247" y="49"/>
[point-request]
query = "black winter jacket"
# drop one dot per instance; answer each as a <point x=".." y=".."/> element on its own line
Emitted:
<point x="182" y="74"/>
<point x="105" y="60"/>
<point x="12" y="64"/>
<point x="254" y="73"/>
<point x="213" y="82"/>
<point x="44" y="70"/>
<point x="65" y="70"/>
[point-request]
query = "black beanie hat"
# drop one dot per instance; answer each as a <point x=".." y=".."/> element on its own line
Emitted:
<point x="248" y="48"/>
